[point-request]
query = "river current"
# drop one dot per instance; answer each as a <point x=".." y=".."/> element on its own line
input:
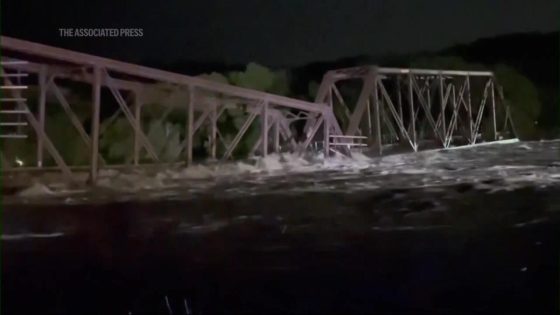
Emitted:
<point x="470" y="230"/>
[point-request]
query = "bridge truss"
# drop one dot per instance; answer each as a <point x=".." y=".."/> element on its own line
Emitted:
<point x="385" y="106"/>
<point x="414" y="107"/>
<point x="52" y="71"/>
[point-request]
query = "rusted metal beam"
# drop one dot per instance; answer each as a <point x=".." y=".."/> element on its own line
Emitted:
<point x="96" y="110"/>
<point x="43" y="86"/>
<point x="55" y="53"/>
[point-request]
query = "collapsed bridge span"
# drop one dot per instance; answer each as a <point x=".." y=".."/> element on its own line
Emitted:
<point x="32" y="73"/>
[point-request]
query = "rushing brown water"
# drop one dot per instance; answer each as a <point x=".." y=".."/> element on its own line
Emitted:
<point x="462" y="231"/>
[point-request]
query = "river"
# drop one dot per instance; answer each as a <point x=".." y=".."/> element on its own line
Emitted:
<point x="472" y="230"/>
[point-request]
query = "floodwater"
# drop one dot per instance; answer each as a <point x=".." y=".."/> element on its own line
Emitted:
<point x="467" y="231"/>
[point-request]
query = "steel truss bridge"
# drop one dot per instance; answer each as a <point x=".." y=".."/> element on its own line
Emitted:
<point x="412" y="107"/>
<point x="394" y="106"/>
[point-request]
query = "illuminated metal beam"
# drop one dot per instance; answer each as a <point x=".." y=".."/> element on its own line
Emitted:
<point x="55" y="53"/>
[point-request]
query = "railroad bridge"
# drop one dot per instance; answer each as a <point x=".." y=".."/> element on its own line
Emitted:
<point x="414" y="108"/>
<point x="404" y="107"/>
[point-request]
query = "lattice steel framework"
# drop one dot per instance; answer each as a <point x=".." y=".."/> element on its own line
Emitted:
<point x="413" y="106"/>
<point x="204" y="102"/>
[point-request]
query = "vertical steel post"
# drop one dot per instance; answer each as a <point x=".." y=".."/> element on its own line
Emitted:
<point x="138" y="119"/>
<point x="456" y="106"/>
<point x="469" y="107"/>
<point x="213" y="129"/>
<point x="442" y="104"/>
<point x="399" y="98"/>
<point x="412" y="116"/>
<point x="190" y="130"/>
<point x="368" y="113"/>
<point x="377" y="114"/>
<point x="428" y="93"/>
<point x="42" y="104"/>
<point x="326" y="135"/>
<point x="494" y="128"/>
<point x="429" y="104"/>
<point x="96" y="110"/>
<point x="264" y="129"/>
<point x="277" y="135"/>
<point x="400" y="107"/>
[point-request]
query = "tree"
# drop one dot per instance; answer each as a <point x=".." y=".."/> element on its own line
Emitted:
<point x="255" y="77"/>
<point x="523" y="98"/>
<point x="117" y="141"/>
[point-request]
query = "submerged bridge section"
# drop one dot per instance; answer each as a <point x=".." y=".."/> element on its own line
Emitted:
<point x="415" y="108"/>
<point x="51" y="74"/>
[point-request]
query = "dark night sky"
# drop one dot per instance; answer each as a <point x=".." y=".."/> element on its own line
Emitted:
<point x="279" y="32"/>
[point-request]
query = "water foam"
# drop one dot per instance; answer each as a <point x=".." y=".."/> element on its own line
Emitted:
<point x="422" y="169"/>
<point x="22" y="236"/>
<point x="35" y="190"/>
